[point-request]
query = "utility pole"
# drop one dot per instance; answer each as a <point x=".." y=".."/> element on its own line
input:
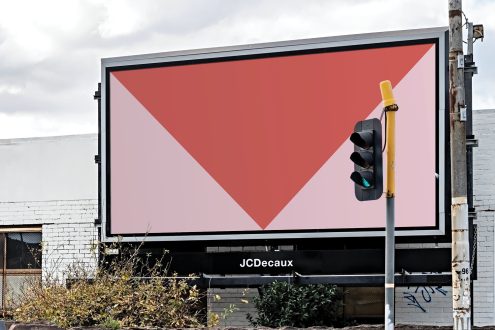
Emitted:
<point x="461" y="291"/>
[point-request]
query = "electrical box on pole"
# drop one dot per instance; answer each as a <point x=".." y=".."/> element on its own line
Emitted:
<point x="367" y="159"/>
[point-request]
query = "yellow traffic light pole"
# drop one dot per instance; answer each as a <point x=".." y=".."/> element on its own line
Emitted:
<point x="390" y="107"/>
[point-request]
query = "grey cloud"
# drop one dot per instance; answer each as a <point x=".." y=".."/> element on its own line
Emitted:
<point x="61" y="84"/>
<point x="3" y="36"/>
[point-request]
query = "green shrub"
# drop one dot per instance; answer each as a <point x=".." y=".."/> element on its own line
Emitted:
<point x="281" y="304"/>
<point x="113" y="297"/>
<point x="110" y="323"/>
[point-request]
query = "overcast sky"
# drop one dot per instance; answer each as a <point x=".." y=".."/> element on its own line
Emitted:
<point x="50" y="51"/>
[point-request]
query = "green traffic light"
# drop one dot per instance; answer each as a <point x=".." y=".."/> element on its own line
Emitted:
<point x="367" y="159"/>
<point x="363" y="178"/>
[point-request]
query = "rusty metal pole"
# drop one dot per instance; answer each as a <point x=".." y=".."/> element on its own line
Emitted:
<point x="461" y="292"/>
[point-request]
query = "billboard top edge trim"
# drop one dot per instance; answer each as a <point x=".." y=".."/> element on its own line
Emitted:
<point x="399" y="35"/>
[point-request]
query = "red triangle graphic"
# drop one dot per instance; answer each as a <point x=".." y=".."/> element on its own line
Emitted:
<point x="263" y="127"/>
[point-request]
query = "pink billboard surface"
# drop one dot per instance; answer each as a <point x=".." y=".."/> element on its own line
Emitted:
<point x="261" y="145"/>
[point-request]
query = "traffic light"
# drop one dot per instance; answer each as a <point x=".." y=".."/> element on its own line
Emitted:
<point x="367" y="159"/>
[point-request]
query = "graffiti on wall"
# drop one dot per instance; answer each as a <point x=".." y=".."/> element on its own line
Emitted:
<point x="421" y="296"/>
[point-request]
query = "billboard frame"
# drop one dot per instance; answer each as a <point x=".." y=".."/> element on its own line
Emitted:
<point x="361" y="41"/>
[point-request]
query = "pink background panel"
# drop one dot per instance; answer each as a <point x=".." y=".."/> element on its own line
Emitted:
<point x="415" y="146"/>
<point x="157" y="187"/>
<point x="173" y="193"/>
<point x="327" y="200"/>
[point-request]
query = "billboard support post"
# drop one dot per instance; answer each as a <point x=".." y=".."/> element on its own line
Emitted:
<point x="461" y="293"/>
<point x="390" y="107"/>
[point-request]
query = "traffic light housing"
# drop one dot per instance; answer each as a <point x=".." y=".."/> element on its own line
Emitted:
<point x="367" y="159"/>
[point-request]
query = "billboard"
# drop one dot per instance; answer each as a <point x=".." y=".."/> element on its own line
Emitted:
<point x="252" y="142"/>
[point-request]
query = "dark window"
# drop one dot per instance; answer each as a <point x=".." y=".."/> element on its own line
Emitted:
<point x="20" y="261"/>
<point x="23" y="250"/>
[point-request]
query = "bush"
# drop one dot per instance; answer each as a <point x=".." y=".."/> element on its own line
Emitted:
<point x="281" y="304"/>
<point x="113" y="297"/>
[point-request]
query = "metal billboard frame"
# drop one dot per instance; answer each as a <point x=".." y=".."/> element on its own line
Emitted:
<point x="361" y="41"/>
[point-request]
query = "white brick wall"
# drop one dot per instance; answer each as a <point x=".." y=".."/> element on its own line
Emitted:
<point x="69" y="235"/>
<point x="52" y="182"/>
<point x="484" y="202"/>
<point x="426" y="305"/>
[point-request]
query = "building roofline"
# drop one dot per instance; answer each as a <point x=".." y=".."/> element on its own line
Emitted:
<point x="49" y="138"/>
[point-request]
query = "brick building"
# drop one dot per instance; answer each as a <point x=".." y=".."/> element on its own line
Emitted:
<point x="49" y="194"/>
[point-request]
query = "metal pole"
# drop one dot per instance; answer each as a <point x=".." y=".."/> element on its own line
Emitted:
<point x="461" y="293"/>
<point x="389" y="266"/>
<point x="390" y="107"/>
